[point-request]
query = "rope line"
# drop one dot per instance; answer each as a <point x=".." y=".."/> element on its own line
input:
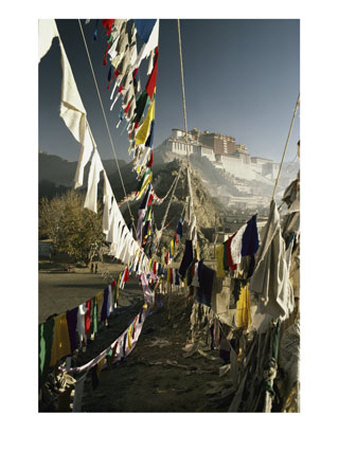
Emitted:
<point x="286" y="144"/>
<point x="132" y="196"/>
<point x="291" y="162"/>
<point x="182" y="83"/>
<point x="184" y="113"/>
<point x="106" y="123"/>
<point x="167" y="210"/>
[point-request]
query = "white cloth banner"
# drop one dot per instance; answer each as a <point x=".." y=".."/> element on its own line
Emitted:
<point x="270" y="280"/>
<point x="47" y="32"/>
<point x="107" y="202"/>
<point x="236" y="245"/>
<point x="74" y="115"/>
<point x="96" y="168"/>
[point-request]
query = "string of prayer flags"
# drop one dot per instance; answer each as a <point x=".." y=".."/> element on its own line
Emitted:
<point x="144" y="207"/>
<point x="61" y="335"/>
<point x="125" y="343"/>
<point x="124" y="63"/>
<point x="147" y="178"/>
<point x="242" y="243"/>
<point x="74" y="116"/>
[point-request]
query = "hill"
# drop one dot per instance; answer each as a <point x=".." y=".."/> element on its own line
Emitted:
<point x="56" y="176"/>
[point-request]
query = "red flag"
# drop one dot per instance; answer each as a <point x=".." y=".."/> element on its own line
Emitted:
<point x="151" y="160"/>
<point x="108" y="24"/>
<point x="151" y="84"/>
<point x="126" y="275"/>
<point x="171" y="276"/>
<point x="87" y="317"/>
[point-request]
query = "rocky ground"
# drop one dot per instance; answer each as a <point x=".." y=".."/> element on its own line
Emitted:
<point x="159" y="376"/>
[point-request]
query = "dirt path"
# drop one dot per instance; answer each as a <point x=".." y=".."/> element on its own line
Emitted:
<point x="156" y="377"/>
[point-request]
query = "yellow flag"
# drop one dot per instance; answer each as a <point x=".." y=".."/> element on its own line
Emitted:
<point x="129" y="336"/>
<point x="172" y="247"/>
<point x="243" y="314"/>
<point x="99" y="299"/>
<point x="147" y="179"/>
<point x="220" y="272"/>
<point x="144" y="130"/>
<point x="61" y="341"/>
<point x="100" y="365"/>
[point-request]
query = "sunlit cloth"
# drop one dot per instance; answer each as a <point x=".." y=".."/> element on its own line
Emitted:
<point x="47" y="32"/>
<point x="74" y="115"/>
<point x="236" y="246"/>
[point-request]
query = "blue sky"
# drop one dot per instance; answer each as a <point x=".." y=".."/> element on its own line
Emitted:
<point x="241" y="79"/>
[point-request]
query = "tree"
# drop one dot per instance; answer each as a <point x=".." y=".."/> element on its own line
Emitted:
<point x="73" y="229"/>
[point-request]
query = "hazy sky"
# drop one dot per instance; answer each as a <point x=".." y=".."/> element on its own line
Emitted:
<point x="241" y="79"/>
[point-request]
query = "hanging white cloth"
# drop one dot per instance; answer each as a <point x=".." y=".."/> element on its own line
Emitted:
<point x="122" y="241"/>
<point x="115" y="219"/>
<point x="93" y="179"/>
<point x="110" y="299"/>
<point x="107" y="202"/>
<point x="74" y="115"/>
<point x="80" y="324"/>
<point x="236" y="245"/>
<point x="87" y="147"/>
<point x="124" y="252"/>
<point x="47" y="32"/>
<point x="270" y="280"/>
